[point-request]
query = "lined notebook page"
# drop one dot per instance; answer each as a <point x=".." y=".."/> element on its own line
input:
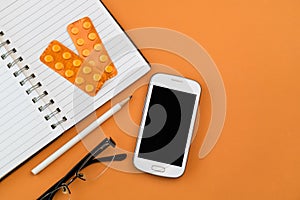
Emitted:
<point x="23" y="130"/>
<point x="33" y="24"/>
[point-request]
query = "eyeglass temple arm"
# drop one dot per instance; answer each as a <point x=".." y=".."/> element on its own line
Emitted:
<point x="118" y="157"/>
<point x="97" y="150"/>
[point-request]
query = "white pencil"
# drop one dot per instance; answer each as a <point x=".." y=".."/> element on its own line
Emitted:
<point x="80" y="136"/>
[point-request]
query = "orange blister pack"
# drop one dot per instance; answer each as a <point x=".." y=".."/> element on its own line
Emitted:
<point x="62" y="60"/>
<point x="84" y="36"/>
<point x="91" y="68"/>
<point x="91" y="77"/>
<point x="90" y="46"/>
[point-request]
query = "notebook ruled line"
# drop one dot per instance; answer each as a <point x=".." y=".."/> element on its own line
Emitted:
<point x="6" y="86"/>
<point x="50" y="25"/>
<point x="25" y="151"/>
<point x="26" y="8"/>
<point x="12" y="135"/>
<point x="31" y="25"/>
<point x="17" y="25"/>
<point x="18" y="100"/>
<point x="10" y="148"/>
<point x="15" y="10"/>
<point x="9" y="5"/>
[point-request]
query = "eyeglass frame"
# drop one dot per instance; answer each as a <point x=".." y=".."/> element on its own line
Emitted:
<point x="88" y="160"/>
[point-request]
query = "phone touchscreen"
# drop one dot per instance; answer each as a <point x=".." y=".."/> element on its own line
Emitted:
<point x="167" y="126"/>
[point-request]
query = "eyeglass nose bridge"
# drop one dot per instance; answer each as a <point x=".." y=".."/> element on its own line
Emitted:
<point x="65" y="186"/>
<point x="63" y="183"/>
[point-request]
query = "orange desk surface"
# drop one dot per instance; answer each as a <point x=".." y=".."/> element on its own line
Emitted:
<point x="256" y="46"/>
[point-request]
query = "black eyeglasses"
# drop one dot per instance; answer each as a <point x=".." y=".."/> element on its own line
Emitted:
<point x="89" y="168"/>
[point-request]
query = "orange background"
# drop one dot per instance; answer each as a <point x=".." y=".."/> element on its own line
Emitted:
<point x="256" y="46"/>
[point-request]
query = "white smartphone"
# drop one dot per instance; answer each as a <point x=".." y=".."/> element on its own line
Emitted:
<point x="167" y="125"/>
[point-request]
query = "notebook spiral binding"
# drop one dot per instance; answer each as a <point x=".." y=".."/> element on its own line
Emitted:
<point x="28" y="78"/>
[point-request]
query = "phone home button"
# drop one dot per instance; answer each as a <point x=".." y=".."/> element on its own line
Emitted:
<point x="158" y="168"/>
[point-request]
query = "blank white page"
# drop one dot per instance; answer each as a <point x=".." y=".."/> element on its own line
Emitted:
<point x="33" y="24"/>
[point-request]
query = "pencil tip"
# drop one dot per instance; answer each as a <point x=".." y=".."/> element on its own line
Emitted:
<point x="130" y="97"/>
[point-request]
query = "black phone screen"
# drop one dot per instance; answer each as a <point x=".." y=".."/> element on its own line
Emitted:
<point x="167" y="126"/>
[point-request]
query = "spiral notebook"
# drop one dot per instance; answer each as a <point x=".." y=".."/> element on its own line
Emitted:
<point x="37" y="105"/>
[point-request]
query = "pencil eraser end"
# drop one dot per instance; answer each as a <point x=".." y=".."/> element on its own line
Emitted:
<point x="34" y="171"/>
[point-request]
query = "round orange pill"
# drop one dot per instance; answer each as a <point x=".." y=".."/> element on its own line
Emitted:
<point x="69" y="73"/>
<point x="59" y="66"/>
<point x="87" y="70"/>
<point x="48" y="58"/>
<point x="98" y="47"/>
<point x="92" y="36"/>
<point x="75" y="30"/>
<point x="96" y="77"/>
<point x="89" y="88"/>
<point x="76" y="63"/>
<point x="92" y="63"/>
<point x="87" y="25"/>
<point x="103" y="58"/>
<point x="80" y="41"/>
<point x="56" y="48"/>
<point x="109" y="69"/>
<point x="79" y="80"/>
<point x="85" y="52"/>
<point x="66" y="55"/>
